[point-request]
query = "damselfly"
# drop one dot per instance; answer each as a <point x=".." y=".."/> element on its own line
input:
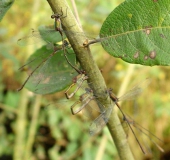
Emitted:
<point x="82" y="76"/>
<point x="96" y="127"/>
<point x="46" y="59"/>
<point x="103" y="118"/>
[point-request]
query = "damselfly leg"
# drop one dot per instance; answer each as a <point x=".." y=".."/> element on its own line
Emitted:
<point x="84" y="99"/>
<point x="78" y="80"/>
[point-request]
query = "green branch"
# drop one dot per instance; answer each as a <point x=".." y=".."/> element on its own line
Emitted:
<point x="96" y="79"/>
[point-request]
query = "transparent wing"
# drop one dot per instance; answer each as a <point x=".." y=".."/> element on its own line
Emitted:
<point x="103" y="118"/>
<point x="33" y="38"/>
<point x="98" y="124"/>
<point x="44" y="34"/>
<point x="135" y="91"/>
<point x="145" y="136"/>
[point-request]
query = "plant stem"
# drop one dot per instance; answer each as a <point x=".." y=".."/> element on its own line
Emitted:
<point x="33" y="127"/>
<point x="76" y="12"/>
<point x="95" y="79"/>
<point x="20" y="127"/>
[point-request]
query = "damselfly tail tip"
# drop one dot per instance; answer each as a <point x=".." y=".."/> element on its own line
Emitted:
<point x="53" y="16"/>
<point x="21" y="69"/>
<point x="19" y="89"/>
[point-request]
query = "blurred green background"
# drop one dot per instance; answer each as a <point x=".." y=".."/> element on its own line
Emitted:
<point x="32" y="130"/>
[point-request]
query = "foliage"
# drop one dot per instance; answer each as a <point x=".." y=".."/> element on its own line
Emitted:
<point x="140" y="33"/>
<point x="4" y="7"/>
<point x="53" y="74"/>
<point x="60" y="135"/>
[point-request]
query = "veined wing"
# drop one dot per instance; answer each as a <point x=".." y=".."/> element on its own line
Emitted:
<point x="97" y="125"/>
<point x="46" y="34"/>
<point x="103" y="118"/>
<point x="135" y="91"/>
<point x="144" y="132"/>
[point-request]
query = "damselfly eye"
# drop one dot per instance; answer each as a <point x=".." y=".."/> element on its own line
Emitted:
<point x="53" y="16"/>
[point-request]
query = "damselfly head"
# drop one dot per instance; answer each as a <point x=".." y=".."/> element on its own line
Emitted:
<point x="56" y="16"/>
<point x="89" y="90"/>
<point x="110" y="90"/>
<point x="66" y="43"/>
<point x="53" y="16"/>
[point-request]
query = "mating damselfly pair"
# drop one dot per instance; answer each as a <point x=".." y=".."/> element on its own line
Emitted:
<point x="46" y="83"/>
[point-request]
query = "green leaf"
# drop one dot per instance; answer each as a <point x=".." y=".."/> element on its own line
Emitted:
<point x="139" y="32"/>
<point x="74" y="132"/>
<point x="48" y="34"/>
<point x="52" y="72"/>
<point x="4" y="6"/>
<point x="11" y="99"/>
